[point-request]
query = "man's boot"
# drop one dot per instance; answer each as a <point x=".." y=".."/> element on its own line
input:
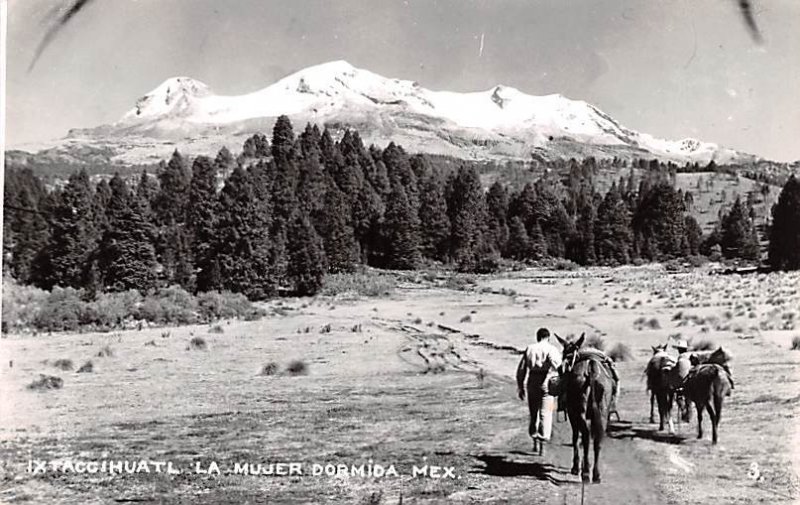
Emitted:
<point x="536" y="445"/>
<point x="541" y="447"/>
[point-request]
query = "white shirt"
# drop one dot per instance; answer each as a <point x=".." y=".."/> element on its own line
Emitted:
<point x="539" y="358"/>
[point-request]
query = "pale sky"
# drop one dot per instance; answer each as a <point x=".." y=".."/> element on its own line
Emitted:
<point x="672" y="68"/>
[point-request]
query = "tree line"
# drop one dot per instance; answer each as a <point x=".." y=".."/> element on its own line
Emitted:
<point x="289" y="209"/>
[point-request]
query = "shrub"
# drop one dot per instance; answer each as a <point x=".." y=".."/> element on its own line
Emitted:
<point x="654" y="324"/>
<point x="466" y="319"/>
<point x="216" y="329"/>
<point x="796" y="343"/>
<point x="703" y="345"/>
<point x="62" y="310"/>
<point x="63" y="364"/>
<point x="110" y="310"/>
<point x="570" y="306"/>
<point x="21" y="305"/>
<point x="214" y="305"/>
<point x="46" y="382"/>
<point x="86" y="367"/>
<point x="105" y="352"/>
<point x="564" y="264"/>
<point x="297" y="367"/>
<point x="270" y="368"/>
<point x="367" y="283"/>
<point x="595" y="341"/>
<point x="620" y="352"/>
<point x="197" y="343"/>
<point x="170" y="305"/>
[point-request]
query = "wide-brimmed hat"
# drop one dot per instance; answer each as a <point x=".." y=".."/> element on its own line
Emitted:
<point x="680" y="344"/>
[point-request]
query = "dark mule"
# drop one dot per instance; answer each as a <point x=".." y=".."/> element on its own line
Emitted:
<point x="656" y="350"/>
<point x="707" y="386"/>
<point x="588" y="386"/>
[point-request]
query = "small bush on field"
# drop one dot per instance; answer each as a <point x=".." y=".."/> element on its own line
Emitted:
<point x="62" y="310"/>
<point x="46" y="382"/>
<point x="105" y="352"/>
<point x="620" y="352"/>
<point x="570" y="306"/>
<point x="63" y="364"/>
<point x="297" y="367"/>
<point x="703" y="345"/>
<point x="21" y="305"/>
<point x="563" y="264"/>
<point x="86" y="367"/>
<point x="654" y="324"/>
<point x="796" y="343"/>
<point x="216" y="329"/>
<point x="466" y="319"/>
<point x="595" y="341"/>
<point x="109" y="310"/>
<point x="270" y="368"/>
<point x="460" y="282"/>
<point x="214" y="305"/>
<point x="170" y="305"/>
<point x="197" y="343"/>
<point x="370" y="284"/>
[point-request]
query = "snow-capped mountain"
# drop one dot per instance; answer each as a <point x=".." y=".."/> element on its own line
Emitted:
<point x="501" y="122"/>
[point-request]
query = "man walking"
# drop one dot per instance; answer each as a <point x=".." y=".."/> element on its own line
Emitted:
<point x="539" y="364"/>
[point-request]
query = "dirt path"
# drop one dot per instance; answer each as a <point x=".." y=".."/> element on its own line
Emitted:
<point x="627" y="477"/>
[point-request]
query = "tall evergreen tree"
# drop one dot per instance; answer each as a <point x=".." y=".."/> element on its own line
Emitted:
<point x="434" y="221"/>
<point x="341" y="248"/>
<point x="784" y="235"/>
<point x="468" y="210"/>
<point x="306" y="268"/>
<point x="739" y="238"/>
<point x="658" y="223"/>
<point x="612" y="229"/>
<point x="497" y="202"/>
<point x="127" y="257"/>
<point x="73" y="236"/>
<point x="243" y="245"/>
<point x="402" y="231"/>
<point x="201" y="221"/>
<point x="519" y="245"/>
<point x="26" y="230"/>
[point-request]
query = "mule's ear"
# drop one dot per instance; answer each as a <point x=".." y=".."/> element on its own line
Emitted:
<point x="579" y="343"/>
<point x="560" y="340"/>
<point x="655" y="348"/>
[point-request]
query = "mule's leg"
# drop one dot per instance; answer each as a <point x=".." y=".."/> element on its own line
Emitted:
<point x="716" y="417"/>
<point x="670" y="401"/>
<point x="585" y="441"/>
<point x="597" y="441"/>
<point x="576" y="457"/>
<point x="699" y="419"/>
<point x="652" y="407"/>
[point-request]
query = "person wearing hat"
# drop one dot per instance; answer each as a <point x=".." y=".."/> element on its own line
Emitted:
<point x="538" y="364"/>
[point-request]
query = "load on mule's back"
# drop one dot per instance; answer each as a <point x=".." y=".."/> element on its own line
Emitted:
<point x="589" y="383"/>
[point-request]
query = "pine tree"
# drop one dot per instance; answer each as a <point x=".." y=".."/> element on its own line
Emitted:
<point x="467" y="207"/>
<point x="243" y="246"/>
<point x="341" y="249"/>
<point x="127" y="256"/>
<point x="612" y="229"/>
<point x="434" y="221"/>
<point x="497" y="202"/>
<point x="658" y="222"/>
<point x="26" y="230"/>
<point x="73" y="237"/>
<point x="306" y="268"/>
<point x="519" y="245"/>
<point x="201" y="222"/>
<point x="784" y="236"/>
<point x="402" y="231"/>
<point x="739" y="238"/>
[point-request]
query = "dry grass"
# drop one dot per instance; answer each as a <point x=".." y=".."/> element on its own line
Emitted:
<point x="86" y="367"/>
<point x="45" y="382"/>
<point x="703" y="345"/>
<point x="297" y="367"/>
<point x="270" y="368"/>
<point x="620" y="352"/>
<point x="197" y="344"/>
<point x="64" y="364"/>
